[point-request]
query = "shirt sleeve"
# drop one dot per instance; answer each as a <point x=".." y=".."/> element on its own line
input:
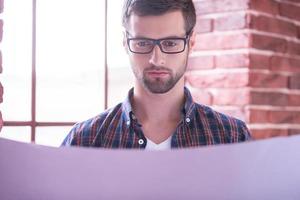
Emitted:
<point x="244" y="133"/>
<point x="72" y="137"/>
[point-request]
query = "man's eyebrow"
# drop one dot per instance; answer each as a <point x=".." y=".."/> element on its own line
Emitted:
<point x="168" y="37"/>
<point x="175" y="36"/>
<point x="143" y="37"/>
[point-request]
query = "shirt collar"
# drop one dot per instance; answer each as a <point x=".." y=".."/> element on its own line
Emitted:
<point x="127" y="108"/>
<point x="187" y="109"/>
<point x="189" y="104"/>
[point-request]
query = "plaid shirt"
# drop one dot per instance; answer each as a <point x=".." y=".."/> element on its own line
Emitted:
<point x="118" y="128"/>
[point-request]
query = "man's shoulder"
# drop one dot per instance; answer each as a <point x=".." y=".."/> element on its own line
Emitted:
<point x="102" y="117"/>
<point x="83" y="133"/>
<point x="218" y="122"/>
<point x="211" y="113"/>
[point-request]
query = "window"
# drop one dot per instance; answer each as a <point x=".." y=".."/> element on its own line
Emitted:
<point x="54" y="58"/>
<point x="119" y="71"/>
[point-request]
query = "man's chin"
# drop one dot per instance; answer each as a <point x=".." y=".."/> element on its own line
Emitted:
<point x="158" y="88"/>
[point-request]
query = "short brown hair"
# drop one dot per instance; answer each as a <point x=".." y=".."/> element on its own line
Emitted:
<point x="159" y="7"/>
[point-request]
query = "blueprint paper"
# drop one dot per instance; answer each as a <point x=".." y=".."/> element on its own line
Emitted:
<point x="266" y="169"/>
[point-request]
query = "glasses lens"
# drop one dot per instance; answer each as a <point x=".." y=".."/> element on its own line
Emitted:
<point x="173" y="45"/>
<point x="141" y="45"/>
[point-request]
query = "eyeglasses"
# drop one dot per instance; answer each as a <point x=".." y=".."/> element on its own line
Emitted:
<point x="171" y="45"/>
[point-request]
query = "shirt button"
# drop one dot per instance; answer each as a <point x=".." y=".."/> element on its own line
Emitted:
<point x="141" y="141"/>
<point x="128" y="122"/>
<point x="133" y="116"/>
<point x="187" y="120"/>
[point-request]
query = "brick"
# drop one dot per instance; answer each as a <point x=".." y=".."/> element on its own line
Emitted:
<point x="201" y="62"/>
<point x="1" y="93"/>
<point x="296" y="117"/>
<point x="258" y="134"/>
<point x="1" y="69"/>
<point x="201" y="96"/>
<point x="228" y="80"/>
<point x="268" y="43"/>
<point x="289" y="11"/>
<point x="294" y="81"/>
<point x="293" y="100"/>
<point x="218" y="42"/>
<point x="284" y="64"/>
<point x="230" y="22"/>
<point x="1" y="121"/>
<point x="214" y="6"/>
<point x="266" y="6"/>
<point x="203" y="25"/>
<point x="274" y="117"/>
<point x="258" y="116"/>
<point x="1" y="29"/>
<point x="259" y="61"/>
<point x="236" y="97"/>
<point x="236" y="112"/>
<point x="294" y="48"/>
<point x="294" y="131"/>
<point x="284" y="117"/>
<point x="268" y="98"/>
<point x="272" y="25"/>
<point x="232" y="61"/>
<point x="262" y="80"/>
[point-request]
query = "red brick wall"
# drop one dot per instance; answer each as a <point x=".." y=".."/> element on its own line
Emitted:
<point x="1" y="87"/>
<point x="247" y="62"/>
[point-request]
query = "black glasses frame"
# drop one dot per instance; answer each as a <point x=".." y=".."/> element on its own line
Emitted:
<point x="158" y="42"/>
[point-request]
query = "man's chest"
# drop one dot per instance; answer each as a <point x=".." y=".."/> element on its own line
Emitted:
<point x="159" y="132"/>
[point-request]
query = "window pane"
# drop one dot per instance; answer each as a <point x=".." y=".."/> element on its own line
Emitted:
<point x="51" y="136"/>
<point x="70" y="59"/>
<point x="120" y="76"/>
<point x="16" y="50"/>
<point x="120" y="81"/>
<point x="21" y="134"/>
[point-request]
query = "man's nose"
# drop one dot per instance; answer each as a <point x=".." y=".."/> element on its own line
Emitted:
<point x="157" y="58"/>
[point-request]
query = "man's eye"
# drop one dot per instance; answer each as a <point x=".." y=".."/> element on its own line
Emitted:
<point x="169" y="43"/>
<point x="142" y="43"/>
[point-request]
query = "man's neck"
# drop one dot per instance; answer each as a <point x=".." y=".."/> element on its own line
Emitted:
<point x="158" y="108"/>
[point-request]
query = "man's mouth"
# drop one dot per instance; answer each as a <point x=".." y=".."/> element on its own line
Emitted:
<point x="157" y="73"/>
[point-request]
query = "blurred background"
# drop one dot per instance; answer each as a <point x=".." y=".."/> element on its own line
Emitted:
<point x="62" y="61"/>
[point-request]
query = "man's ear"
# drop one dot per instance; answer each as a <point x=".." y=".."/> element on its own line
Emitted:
<point x="192" y="41"/>
<point x="125" y="41"/>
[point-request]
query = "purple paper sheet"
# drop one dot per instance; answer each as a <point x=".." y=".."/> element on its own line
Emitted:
<point x="268" y="169"/>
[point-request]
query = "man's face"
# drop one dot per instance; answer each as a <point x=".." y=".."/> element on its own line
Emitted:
<point x="156" y="71"/>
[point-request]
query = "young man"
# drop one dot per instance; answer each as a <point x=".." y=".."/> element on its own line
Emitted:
<point x="159" y="112"/>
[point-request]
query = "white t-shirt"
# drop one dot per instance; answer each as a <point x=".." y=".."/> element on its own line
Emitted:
<point x="165" y="145"/>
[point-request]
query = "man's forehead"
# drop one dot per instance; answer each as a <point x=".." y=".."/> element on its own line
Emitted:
<point x="166" y="25"/>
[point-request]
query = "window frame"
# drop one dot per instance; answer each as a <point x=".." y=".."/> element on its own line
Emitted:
<point x="33" y="123"/>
